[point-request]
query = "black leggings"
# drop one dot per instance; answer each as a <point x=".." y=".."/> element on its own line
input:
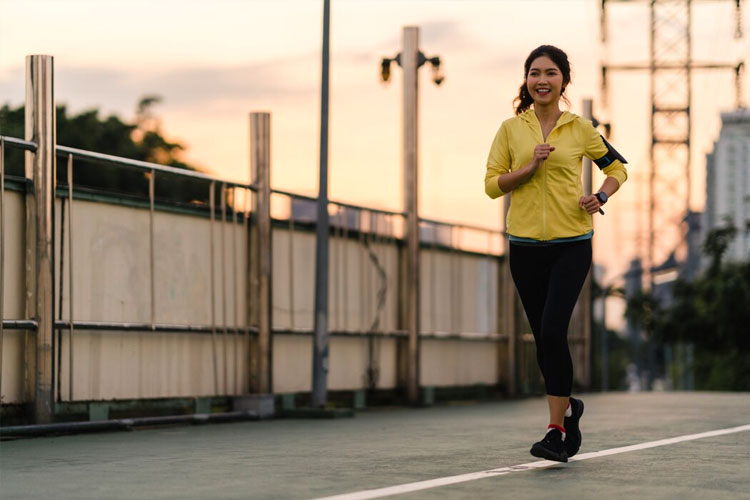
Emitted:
<point x="548" y="279"/>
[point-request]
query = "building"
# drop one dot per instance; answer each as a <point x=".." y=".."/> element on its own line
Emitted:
<point x="728" y="182"/>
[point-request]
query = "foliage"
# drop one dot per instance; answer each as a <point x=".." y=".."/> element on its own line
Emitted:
<point x="712" y="312"/>
<point x="716" y="245"/>
<point x="142" y="140"/>
<point x="618" y="358"/>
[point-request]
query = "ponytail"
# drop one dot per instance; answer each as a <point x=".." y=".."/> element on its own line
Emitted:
<point x="524" y="99"/>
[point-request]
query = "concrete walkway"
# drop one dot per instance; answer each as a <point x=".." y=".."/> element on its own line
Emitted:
<point x="382" y="448"/>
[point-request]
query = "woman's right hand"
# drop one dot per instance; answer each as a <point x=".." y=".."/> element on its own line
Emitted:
<point x="511" y="180"/>
<point x="541" y="153"/>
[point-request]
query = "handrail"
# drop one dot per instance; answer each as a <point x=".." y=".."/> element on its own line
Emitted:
<point x="149" y="166"/>
<point x="20" y="143"/>
<point x="176" y="328"/>
<point x="145" y="327"/>
<point x="462" y="225"/>
<point x="339" y="203"/>
<point x="143" y="165"/>
<point x="20" y="324"/>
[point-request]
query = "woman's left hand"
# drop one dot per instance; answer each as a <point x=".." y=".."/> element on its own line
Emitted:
<point x="590" y="203"/>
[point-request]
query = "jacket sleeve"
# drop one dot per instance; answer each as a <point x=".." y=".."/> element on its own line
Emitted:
<point x="498" y="163"/>
<point x="598" y="150"/>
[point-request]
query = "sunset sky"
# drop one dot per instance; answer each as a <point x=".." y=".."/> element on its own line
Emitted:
<point x="215" y="61"/>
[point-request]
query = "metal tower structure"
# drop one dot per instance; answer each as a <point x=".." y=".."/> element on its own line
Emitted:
<point x="670" y="68"/>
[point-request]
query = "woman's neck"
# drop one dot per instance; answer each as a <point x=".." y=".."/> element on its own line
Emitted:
<point x="547" y="113"/>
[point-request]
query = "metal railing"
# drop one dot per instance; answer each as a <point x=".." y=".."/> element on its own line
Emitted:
<point x="453" y="242"/>
<point x="10" y="324"/>
<point x="374" y="230"/>
<point x="368" y="240"/>
<point x="151" y="169"/>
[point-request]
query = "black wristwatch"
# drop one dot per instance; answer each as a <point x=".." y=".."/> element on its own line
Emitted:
<point x="602" y="197"/>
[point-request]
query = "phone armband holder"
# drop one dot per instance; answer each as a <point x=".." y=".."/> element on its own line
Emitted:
<point x="609" y="157"/>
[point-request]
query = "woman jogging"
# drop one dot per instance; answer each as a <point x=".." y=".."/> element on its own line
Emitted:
<point x="536" y="157"/>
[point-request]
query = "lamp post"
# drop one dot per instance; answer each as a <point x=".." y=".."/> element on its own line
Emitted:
<point x="411" y="59"/>
<point x="320" y="342"/>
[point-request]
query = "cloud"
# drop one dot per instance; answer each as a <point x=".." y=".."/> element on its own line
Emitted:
<point x="433" y="35"/>
<point x="217" y="89"/>
<point x="268" y="80"/>
<point x="502" y="64"/>
<point x="449" y="32"/>
<point x="184" y="87"/>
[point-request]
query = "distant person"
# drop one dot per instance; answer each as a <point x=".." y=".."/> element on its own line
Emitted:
<point x="536" y="156"/>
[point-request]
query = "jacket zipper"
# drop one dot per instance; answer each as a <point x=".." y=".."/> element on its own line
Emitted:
<point x="544" y="189"/>
<point x="544" y="202"/>
<point x="544" y="186"/>
<point x="544" y="183"/>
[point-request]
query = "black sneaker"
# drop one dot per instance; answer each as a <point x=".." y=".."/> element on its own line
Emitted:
<point x="573" y="428"/>
<point x="551" y="447"/>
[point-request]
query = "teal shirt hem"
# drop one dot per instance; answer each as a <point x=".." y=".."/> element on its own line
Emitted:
<point x="530" y="241"/>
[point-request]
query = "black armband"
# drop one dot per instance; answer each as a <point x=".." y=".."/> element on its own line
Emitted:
<point x="609" y="157"/>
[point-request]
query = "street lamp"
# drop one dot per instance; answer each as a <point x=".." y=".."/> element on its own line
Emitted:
<point x="437" y="73"/>
<point x="411" y="59"/>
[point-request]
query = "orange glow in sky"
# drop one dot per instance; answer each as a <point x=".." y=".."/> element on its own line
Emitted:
<point x="215" y="61"/>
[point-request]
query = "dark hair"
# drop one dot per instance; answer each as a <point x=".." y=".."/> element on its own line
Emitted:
<point x="558" y="57"/>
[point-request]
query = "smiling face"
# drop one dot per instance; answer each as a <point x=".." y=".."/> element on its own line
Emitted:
<point x="544" y="81"/>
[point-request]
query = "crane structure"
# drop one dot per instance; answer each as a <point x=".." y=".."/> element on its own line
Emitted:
<point x="670" y="68"/>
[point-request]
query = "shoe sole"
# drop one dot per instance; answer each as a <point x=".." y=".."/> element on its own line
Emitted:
<point x="578" y="433"/>
<point x="541" y="452"/>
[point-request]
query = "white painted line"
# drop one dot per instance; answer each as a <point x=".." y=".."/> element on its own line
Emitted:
<point x="541" y="464"/>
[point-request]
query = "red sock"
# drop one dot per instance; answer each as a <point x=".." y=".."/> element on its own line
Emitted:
<point x="568" y="411"/>
<point x="558" y="427"/>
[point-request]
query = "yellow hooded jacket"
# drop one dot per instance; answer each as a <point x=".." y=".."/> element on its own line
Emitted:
<point x="546" y="206"/>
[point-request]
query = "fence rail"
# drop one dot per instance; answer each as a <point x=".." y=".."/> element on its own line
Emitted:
<point x="373" y="230"/>
<point x="19" y="144"/>
<point x="105" y="159"/>
<point x="465" y="302"/>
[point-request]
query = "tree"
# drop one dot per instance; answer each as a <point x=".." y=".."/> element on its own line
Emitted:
<point x="716" y="244"/>
<point x="142" y="140"/>
<point x="712" y="312"/>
